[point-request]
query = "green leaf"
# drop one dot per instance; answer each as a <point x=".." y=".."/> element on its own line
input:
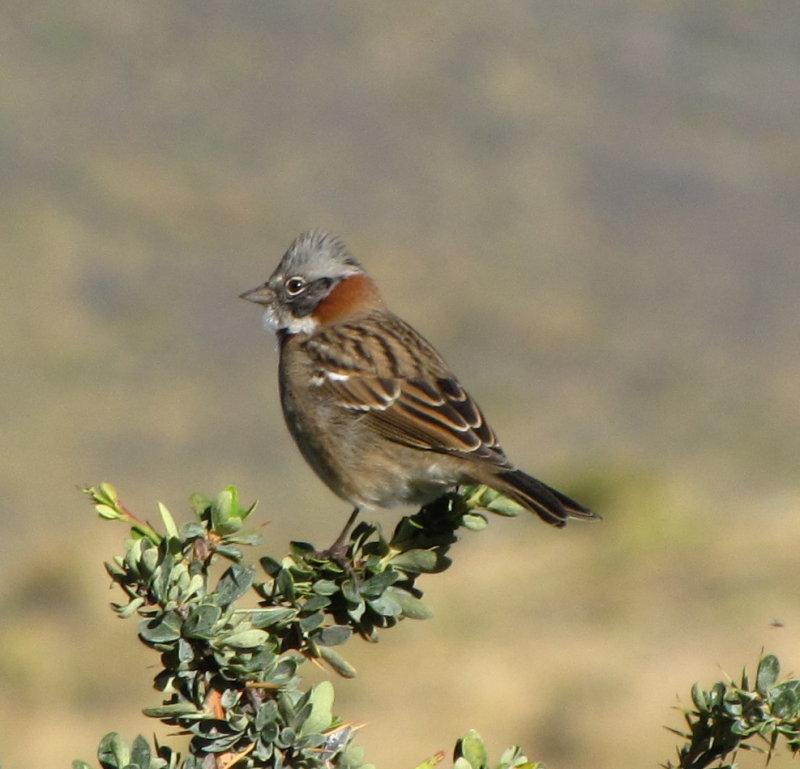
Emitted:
<point x="113" y="752"/>
<point x="429" y="763"/>
<point x="768" y="671"/>
<point x="415" y="561"/>
<point x="325" y="587"/>
<point x="267" y="714"/>
<point x="303" y="550"/>
<point x="350" y="591"/>
<point x="235" y="511"/>
<point x="109" y="513"/>
<point x="130" y="608"/>
<point x="228" y="551"/>
<point x="244" y="539"/>
<point x="225" y="514"/>
<point x="505" y="506"/>
<point x="224" y="504"/>
<point x="321" y="715"/>
<point x="377" y="583"/>
<point x="745" y="680"/>
<point x="245" y="639"/>
<point x="193" y="530"/>
<point x="246" y="512"/>
<point x="472" y="748"/>
<point x="271" y="615"/>
<point x="412" y="607"/>
<point x="356" y="611"/>
<point x="386" y="605"/>
<point x="717" y="694"/>
<point x="149" y="557"/>
<point x="334" y="635"/>
<point x="337" y="662"/>
<point x="699" y="698"/>
<point x="285" y="584"/>
<point x="474" y="521"/>
<point x="234" y="583"/>
<point x="270" y="566"/>
<point x="311" y="622"/>
<point x="199" y="504"/>
<point x="201" y="621"/>
<point x="161" y="629"/>
<point x="169" y="522"/>
<point x="106" y="494"/>
<point x="226" y="517"/>
<point x="513" y="757"/>
<point x="484" y="498"/>
<point x="786" y="704"/>
<point x="140" y="753"/>
<point x="173" y="711"/>
<point x="315" y="603"/>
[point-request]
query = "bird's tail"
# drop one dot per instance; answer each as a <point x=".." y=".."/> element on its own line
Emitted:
<point x="550" y="505"/>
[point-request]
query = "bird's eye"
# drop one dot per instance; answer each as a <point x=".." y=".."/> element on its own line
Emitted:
<point x="295" y="285"/>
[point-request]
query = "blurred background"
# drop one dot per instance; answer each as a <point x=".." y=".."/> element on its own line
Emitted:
<point x="591" y="208"/>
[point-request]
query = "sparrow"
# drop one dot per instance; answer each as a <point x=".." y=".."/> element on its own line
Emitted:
<point x="373" y="407"/>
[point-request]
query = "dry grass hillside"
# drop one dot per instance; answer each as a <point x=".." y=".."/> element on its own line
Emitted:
<point x="591" y="208"/>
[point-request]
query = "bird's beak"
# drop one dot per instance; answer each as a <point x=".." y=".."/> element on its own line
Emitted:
<point x="260" y="295"/>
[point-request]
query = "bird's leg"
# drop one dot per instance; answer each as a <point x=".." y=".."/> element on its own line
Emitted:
<point x="338" y="550"/>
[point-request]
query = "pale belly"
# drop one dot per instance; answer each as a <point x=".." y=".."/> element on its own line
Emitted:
<point x="366" y="470"/>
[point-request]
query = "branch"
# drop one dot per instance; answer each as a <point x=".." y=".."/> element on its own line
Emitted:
<point x="228" y="671"/>
<point x="728" y="718"/>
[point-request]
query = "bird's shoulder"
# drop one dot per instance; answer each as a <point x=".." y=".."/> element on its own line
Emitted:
<point x="376" y="344"/>
<point x="381" y="368"/>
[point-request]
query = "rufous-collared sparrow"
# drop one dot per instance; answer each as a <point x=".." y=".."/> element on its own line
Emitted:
<point x="374" y="409"/>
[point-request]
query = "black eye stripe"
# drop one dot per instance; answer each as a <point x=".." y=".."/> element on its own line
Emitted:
<point x="304" y="301"/>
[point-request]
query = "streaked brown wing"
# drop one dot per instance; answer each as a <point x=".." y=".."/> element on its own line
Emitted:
<point x="433" y="417"/>
<point x="360" y="393"/>
<point x="384" y="369"/>
<point x="443" y="415"/>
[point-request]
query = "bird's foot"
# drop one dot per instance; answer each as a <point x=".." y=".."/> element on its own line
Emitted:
<point x="338" y="551"/>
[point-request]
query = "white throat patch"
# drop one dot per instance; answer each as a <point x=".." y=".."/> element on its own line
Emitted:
<point x="273" y="323"/>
